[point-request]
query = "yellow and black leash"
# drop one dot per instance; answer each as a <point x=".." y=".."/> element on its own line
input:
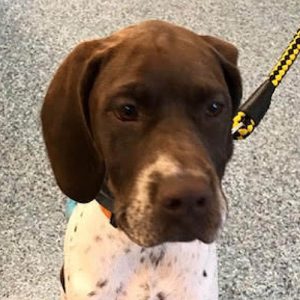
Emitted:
<point x="254" y="109"/>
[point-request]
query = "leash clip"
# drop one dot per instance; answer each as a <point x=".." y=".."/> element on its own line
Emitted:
<point x="243" y="126"/>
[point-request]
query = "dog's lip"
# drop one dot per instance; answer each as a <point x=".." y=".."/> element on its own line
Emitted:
<point x="121" y="220"/>
<point x="123" y="225"/>
<point x="154" y="243"/>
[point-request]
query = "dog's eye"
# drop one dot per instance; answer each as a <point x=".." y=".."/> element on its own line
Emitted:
<point x="214" y="109"/>
<point x="127" y="112"/>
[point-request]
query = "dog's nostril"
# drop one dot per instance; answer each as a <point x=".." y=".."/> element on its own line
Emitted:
<point x="181" y="205"/>
<point x="178" y="204"/>
<point x="200" y="202"/>
<point x="173" y="204"/>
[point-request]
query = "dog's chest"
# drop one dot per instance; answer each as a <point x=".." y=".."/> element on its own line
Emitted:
<point x="102" y="263"/>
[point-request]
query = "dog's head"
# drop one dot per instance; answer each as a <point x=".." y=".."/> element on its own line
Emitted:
<point x="150" y="108"/>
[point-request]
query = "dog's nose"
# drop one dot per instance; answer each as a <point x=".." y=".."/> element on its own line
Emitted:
<point x="185" y="195"/>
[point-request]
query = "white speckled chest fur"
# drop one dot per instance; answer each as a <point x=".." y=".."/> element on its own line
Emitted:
<point x="101" y="263"/>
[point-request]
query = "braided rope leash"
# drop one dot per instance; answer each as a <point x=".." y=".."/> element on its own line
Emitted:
<point x="254" y="109"/>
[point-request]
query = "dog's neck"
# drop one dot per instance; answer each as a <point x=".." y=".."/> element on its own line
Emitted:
<point x="106" y="202"/>
<point x="106" y="264"/>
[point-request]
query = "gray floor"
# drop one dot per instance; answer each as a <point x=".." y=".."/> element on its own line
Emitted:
<point x="259" y="250"/>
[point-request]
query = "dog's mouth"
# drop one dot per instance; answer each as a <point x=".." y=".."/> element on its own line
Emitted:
<point x="150" y="231"/>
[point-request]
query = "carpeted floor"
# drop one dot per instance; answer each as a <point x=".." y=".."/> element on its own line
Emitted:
<point x="260" y="247"/>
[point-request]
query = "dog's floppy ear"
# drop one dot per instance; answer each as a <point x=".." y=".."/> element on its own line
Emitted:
<point x="76" y="162"/>
<point x="228" y="55"/>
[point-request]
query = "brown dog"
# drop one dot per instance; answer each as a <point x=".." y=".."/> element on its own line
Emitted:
<point x="149" y="108"/>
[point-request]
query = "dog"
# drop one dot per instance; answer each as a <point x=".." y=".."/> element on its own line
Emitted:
<point x="146" y="112"/>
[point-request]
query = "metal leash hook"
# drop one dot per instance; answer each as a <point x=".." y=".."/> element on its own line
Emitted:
<point x="254" y="109"/>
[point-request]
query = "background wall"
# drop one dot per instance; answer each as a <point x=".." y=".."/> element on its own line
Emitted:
<point x="260" y="247"/>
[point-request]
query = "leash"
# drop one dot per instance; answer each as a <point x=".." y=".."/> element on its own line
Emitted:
<point x="246" y="120"/>
<point x="254" y="109"/>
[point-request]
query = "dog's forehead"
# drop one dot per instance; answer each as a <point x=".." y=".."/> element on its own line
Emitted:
<point x="158" y="31"/>
<point x="162" y="53"/>
<point x="152" y="42"/>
